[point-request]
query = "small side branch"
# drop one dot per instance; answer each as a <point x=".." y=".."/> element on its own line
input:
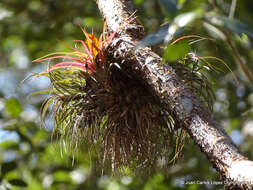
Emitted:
<point x="244" y="67"/>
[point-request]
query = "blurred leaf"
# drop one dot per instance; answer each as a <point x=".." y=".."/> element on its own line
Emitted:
<point x="156" y="38"/>
<point x="13" y="107"/>
<point x="214" y="31"/>
<point x="176" y="51"/>
<point x="193" y="187"/>
<point x="169" y="7"/>
<point x="234" y="25"/>
<point x="9" y="145"/>
<point x="7" y="167"/>
<point x="40" y="136"/>
<point x="156" y="183"/>
<point x="138" y="2"/>
<point x="18" y="182"/>
<point x="181" y="2"/>
<point x="62" y="176"/>
<point x="5" y="14"/>
<point x="169" y="31"/>
<point x="186" y="18"/>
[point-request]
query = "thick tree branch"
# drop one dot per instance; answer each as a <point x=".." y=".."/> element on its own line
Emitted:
<point x="164" y="83"/>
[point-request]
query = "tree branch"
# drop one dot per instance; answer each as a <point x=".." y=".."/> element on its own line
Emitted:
<point x="213" y="141"/>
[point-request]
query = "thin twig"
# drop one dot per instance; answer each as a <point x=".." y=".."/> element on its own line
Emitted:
<point x="244" y="67"/>
<point x="232" y="9"/>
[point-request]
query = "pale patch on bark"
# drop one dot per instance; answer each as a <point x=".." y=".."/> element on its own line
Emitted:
<point x="241" y="171"/>
<point x="187" y="105"/>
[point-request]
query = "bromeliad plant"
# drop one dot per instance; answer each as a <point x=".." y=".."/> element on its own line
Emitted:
<point x="111" y="112"/>
<point x="192" y="70"/>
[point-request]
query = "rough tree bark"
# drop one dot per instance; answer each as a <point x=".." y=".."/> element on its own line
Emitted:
<point x="234" y="168"/>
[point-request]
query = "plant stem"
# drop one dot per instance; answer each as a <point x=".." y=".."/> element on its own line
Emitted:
<point x="244" y="67"/>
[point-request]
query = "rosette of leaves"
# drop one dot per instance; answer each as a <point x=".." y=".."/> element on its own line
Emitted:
<point x="192" y="69"/>
<point x="111" y="112"/>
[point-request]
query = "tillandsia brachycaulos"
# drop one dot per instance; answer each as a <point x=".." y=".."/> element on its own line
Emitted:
<point x="111" y="111"/>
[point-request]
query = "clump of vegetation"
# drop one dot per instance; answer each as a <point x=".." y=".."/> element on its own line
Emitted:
<point x="192" y="69"/>
<point x="113" y="113"/>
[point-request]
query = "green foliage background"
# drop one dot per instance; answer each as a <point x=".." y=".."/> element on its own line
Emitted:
<point x="30" y="159"/>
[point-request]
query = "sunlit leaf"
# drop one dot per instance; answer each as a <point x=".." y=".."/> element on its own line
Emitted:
<point x="9" y="145"/>
<point x="176" y="51"/>
<point x="62" y="176"/>
<point x="185" y="18"/>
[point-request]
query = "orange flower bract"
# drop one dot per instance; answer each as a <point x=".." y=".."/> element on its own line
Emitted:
<point x="84" y="59"/>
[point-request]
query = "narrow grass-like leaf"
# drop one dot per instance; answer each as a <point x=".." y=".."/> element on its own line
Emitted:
<point x="223" y="62"/>
<point x="45" y="106"/>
